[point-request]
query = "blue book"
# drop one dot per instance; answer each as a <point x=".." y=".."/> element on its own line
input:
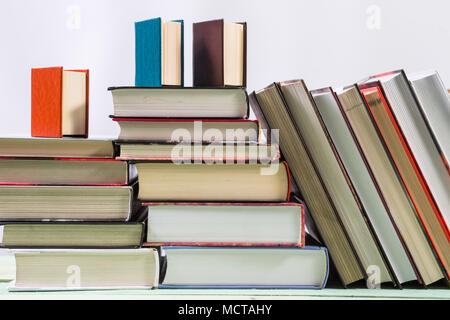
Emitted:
<point x="244" y="267"/>
<point x="148" y="41"/>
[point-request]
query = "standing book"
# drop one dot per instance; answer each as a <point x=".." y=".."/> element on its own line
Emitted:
<point x="269" y="106"/>
<point x="220" y="53"/>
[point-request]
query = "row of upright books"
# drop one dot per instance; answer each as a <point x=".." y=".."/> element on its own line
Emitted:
<point x="371" y="163"/>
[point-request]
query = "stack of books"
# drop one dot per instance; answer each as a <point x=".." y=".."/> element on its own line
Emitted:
<point x="371" y="161"/>
<point x="67" y="210"/>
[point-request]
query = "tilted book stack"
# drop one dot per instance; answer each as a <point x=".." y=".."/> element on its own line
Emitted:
<point x="371" y="163"/>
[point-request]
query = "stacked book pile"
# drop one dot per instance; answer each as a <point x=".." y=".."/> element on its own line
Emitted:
<point x="217" y="200"/>
<point x="66" y="207"/>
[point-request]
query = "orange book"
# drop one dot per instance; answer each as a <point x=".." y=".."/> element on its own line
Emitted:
<point x="47" y="113"/>
<point x="46" y="102"/>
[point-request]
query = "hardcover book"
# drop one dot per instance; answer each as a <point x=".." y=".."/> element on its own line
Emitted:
<point x="221" y="224"/>
<point x="391" y="186"/>
<point x="69" y="234"/>
<point x="64" y="171"/>
<point x="85" y="269"/>
<point x="59" y="102"/>
<point x="434" y="102"/>
<point x="269" y="106"/>
<point x="159" y="53"/>
<point x="220" y="53"/>
<point x="306" y="118"/>
<point x="416" y="187"/>
<point x="425" y="153"/>
<point x="213" y="182"/>
<point x="243" y="267"/>
<point x="56" y="148"/>
<point x="209" y="153"/>
<point x="188" y="130"/>
<point x="94" y="203"/>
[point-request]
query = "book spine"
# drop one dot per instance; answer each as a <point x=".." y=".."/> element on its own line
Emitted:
<point x="46" y="102"/>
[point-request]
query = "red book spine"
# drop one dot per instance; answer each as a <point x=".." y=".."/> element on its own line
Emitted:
<point x="86" y="71"/>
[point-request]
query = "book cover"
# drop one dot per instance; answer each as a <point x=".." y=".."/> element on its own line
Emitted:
<point x="208" y="53"/>
<point x="244" y="266"/>
<point x="86" y="72"/>
<point x="148" y="52"/>
<point x="46" y="102"/>
<point x="301" y="231"/>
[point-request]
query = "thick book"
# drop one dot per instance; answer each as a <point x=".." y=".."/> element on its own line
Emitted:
<point x="365" y="186"/>
<point x="220" y="53"/>
<point x="191" y="152"/>
<point x="391" y="185"/>
<point x="159" y="50"/>
<point x="269" y="106"/>
<point x="96" y="203"/>
<point x="434" y="103"/>
<point x="71" y="235"/>
<point x="222" y="224"/>
<point x="56" y="148"/>
<point x="85" y="269"/>
<point x="188" y="130"/>
<point x="243" y="267"/>
<point x="59" y="102"/>
<point x="213" y="182"/>
<point x="382" y="98"/>
<point x="66" y="171"/>
<point x="173" y="102"/>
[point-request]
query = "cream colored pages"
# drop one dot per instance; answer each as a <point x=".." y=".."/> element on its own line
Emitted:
<point x="233" y="55"/>
<point x="74" y="103"/>
<point x="171" y="53"/>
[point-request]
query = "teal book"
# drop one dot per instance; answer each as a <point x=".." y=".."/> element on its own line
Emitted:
<point x="159" y="53"/>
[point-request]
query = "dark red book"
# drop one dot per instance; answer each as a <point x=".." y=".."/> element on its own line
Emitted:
<point x="208" y="54"/>
<point x="47" y="102"/>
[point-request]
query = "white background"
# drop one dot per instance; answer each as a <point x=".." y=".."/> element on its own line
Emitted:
<point x="325" y="42"/>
